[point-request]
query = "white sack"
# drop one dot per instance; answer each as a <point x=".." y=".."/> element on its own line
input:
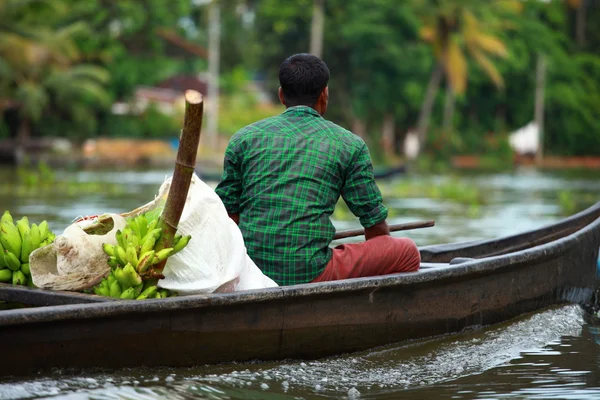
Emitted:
<point x="215" y="257"/>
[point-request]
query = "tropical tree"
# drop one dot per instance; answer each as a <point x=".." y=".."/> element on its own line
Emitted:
<point x="41" y="66"/>
<point x="454" y="29"/>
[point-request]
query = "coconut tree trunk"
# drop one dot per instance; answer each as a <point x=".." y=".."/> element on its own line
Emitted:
<point x="427" y="107"/>
<point x="449" y="106"/>
<point x="23" y="139"/>
<point x="316" y="32"/>
<point x="387" y="135"/>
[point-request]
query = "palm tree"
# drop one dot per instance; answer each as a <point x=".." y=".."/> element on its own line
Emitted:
<point x="40" y="67"/>
<point x="453" y="29"/>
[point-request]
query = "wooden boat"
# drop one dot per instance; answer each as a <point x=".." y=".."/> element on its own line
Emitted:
<point x="459" y="286"/>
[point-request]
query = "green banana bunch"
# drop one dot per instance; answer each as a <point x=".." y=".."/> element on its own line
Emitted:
<point x="147" y="293"/>
<point x="5" y="275"/>
<point x="136" y="245"/>
<point x="132" y="260"/>
<point x="10" y="237"/>
<point x="103" y="289"/>
<point x="18" y="278"/>
<point x="17" y="241"/>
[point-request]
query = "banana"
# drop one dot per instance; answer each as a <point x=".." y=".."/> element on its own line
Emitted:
<point x="6" y="217"/>
<point x="5" y="275"/>
<point x="148" y="292"/>
<point x="145" y="261"/>
<point x="18" y="278"/>
<point x="176" y="239"/>
<point x="132" y="255"/>
<point x="30" y="282"/>
<point x="112" y="262"/>
<point x="23" y="226"/>
<point x="148" y="244"/>
<point x="128" y="294"/>
<point x="2" y="263"/>
<point x="110" y="278"/>
<point x="133" y="225"/>
<point x="143" y="224"/>
<point x="162" y="255"/>
<point x="10" y="237"/>
<point x="181" y="244"/>
<point x="132" y="276"/>
<point x="152" y="226"/>
<point x="121" y="278"/>
<point x="26" y="246"/>
<point x="108" y="249"/>
<point x="138" y="289"/>
<point x="164" y="293"/>
<point x="12" y="261"/>
<point x="121" y="255"/>
<point x="157" y="295"/>
<point x="35" y="236"/>
<point x="44" y="230"/>
<point x="127" y="236"/>
<point x="26" y="269"/>
<point x="102" y="289"/>
<point x="119" y="237"/>
<point x="51" y="236"/>
<point x="115" y="290"/>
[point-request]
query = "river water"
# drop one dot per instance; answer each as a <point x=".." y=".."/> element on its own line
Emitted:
<point x="551" y="354"/>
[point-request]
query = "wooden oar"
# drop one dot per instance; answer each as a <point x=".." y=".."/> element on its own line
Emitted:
<point x="393" y="228"/>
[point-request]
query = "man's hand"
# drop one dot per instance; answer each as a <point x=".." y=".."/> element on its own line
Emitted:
<point x="379" y="229"/>
<point x="236" y="218"/>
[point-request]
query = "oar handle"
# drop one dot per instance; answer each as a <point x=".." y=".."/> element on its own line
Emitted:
<point x="393" y="228"/>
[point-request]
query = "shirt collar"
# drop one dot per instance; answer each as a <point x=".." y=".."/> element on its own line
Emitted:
<point x="302" y="110"/>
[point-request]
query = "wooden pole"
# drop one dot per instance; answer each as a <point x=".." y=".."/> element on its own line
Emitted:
<point x="540" y="82"/>
<point x="393" y="228"/>
<point x="184" y="169"/>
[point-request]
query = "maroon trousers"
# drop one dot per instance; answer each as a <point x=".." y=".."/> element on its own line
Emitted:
<point x="380" y="255"/>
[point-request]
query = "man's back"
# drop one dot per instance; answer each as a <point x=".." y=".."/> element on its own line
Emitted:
<point x="283" y="176"/>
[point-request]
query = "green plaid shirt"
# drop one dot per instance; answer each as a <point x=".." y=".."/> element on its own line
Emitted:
<point x="283" y="176"/>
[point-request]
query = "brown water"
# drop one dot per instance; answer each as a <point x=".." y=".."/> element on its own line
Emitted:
<point x="551" y="354"/>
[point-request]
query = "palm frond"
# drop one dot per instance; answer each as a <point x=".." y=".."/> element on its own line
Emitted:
<point x="33" y="99"/>
<point x="456" y="67"/>
<point x="489" y="68"/>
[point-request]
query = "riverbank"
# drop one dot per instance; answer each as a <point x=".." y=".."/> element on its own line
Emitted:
<point x="130" y="153"/>
<point x="549" y="162"/>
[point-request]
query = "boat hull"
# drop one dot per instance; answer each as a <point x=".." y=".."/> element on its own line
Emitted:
<point x="303" y="321"/>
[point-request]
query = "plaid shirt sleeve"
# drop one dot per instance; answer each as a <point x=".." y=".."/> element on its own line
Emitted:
<point x="360" y="191"/>
<point x="230" y="187"/>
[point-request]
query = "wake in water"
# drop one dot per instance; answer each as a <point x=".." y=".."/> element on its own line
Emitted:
<point x="396" y="367"/>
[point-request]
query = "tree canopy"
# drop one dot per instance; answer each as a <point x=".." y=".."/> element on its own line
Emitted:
<point x="64" y="62"/>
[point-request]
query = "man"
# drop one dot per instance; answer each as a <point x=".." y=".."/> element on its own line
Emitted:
<point x="283" y="177"/>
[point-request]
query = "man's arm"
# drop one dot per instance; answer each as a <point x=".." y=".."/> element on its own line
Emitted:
<point x="234" y="217"/>
<point x="380" y="229"/>
<point x="230" y="187"/>
<point x="361" y="194"/>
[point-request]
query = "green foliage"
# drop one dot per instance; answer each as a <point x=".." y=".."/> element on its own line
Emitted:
<point x="63" y="62"/>
<point x="151" y="124"/>
<point x="239" y="104"/>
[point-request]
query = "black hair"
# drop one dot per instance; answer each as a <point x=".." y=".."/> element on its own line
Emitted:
<point x="302" y="78"/>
